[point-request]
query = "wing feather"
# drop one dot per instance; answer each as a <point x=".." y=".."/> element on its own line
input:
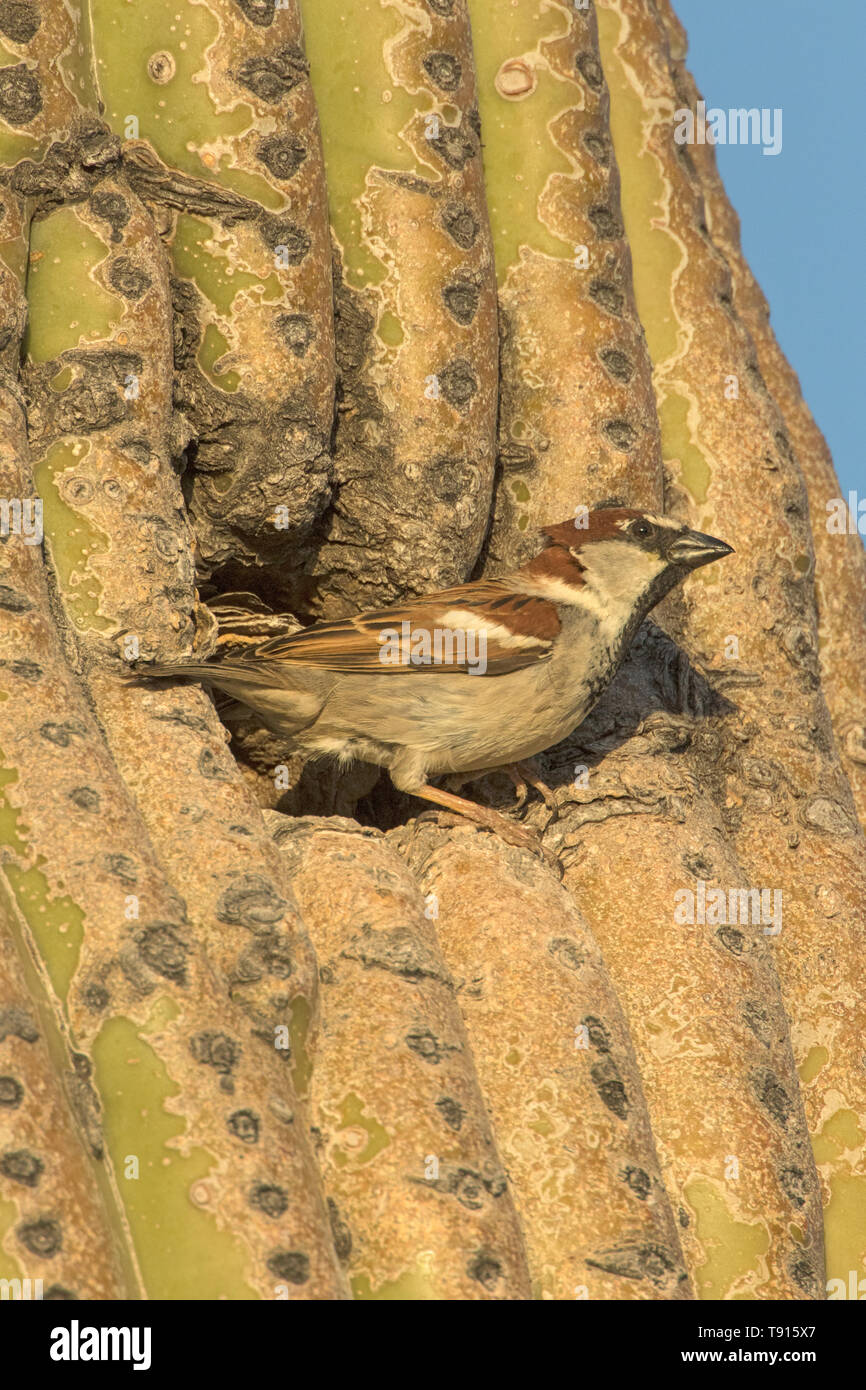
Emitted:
<point x="486" y="628"/>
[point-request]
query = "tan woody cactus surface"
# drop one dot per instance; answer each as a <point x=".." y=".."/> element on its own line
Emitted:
<point x="307" y="307"/>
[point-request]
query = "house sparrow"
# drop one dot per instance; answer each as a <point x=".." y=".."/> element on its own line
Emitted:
<point x="471" y="678"/>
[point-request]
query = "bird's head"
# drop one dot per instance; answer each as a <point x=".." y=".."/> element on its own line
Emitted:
<point x="622" y="556"/>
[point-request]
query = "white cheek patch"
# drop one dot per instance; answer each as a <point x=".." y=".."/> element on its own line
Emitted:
<point x="619" y="573"/>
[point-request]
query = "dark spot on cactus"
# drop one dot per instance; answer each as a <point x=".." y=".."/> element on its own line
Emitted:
<point x="443" y="69"/>
<point x="426" y="1046"/>
<point x="461" y="300"/>
<point x="469" y="1187"/>
<point x="451" y="1111"/>
<point x="19" y="20"/>
<point x="128" y="279"/>
<point x="597" y="146"/>
<point x="270" y="1199"/>
<point x="214" y="766"/>
<point x="564" y="950"/>
<point x="617" y="363"/>
<point x="20" y="95"/>
<point x="123" y="867"/>
<point x="244" y="1125"/>
<point x="20" y="1165"/>
<point x="485" y="1269"/>
<point x="450" y="479"/>
<point x="11" y="1093"/>
<point x="399" y="951"/>
<point x="731" y="939"/>
<point x="806" y="1276"/>
<point x="455" y="145"/>
<point x="441" y="7"/>
<point x="12" y="601"/>
<point x="281" y="232"/>
<point x="794" y="1184"/>
<point x="42" y="1237"/>
<point x="138" y="450"/>
<point x="607" y="296"/>
<point x="57" y="1293"/>
<point x="282" y="154"/>
<point x="606" y="1079"/>
<point x="271" y="76"/>
<point x="258" y="12"/>
<point x="297" y="331"/>
<point x="15" y="1023"/>
<point x="163" y="950"/>
<point x="755" y="1017"/>
<point x="683" y="1218"/>
<point x="251" y="901"/>
<point x="113" y="209"/>
<point x="461" y="225"/>
<point x="340" y="1233"/>
<point x="621" y="434"/>
<point x="772" y="1096"/>
<point x="697" y="863"/>
<point x="599" y="1036"/>
<point x="606" y="224"/>
<point x="270" y="954"/>
<point x="755" y="376"/>
<point x="688" y="163"/>
<point x="85" y="798"/>
<point x="516" y="458"/>
<point x="95" y="998"/>
<point x="639" y="1182"/>
<point x="590" y="70"/>
<point x="649" y="1261"/>
<point x="63" y="734"/>
<point x="25" y="670"/>
<point x="290" y="1266"/>
<point x="215" y="1050"/>
<point x="458" y="383"/>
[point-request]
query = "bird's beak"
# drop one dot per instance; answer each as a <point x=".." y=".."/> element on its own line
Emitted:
<point x="694" y="549"/>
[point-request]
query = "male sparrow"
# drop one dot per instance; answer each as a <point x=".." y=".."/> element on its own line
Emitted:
<point x="475" y="677"/>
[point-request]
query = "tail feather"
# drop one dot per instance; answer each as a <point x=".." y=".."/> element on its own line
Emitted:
<point x="221" y="673"/>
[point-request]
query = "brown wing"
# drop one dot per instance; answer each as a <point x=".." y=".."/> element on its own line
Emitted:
<point x="485" y="628"/>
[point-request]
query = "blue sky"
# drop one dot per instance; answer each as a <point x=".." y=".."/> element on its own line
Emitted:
<point x="803" y="211"/>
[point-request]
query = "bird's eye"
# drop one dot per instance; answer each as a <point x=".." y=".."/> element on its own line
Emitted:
<point x="641" y="529"/>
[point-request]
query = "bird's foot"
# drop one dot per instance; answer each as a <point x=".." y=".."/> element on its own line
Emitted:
<point x="513" y="834"/>
<point x="526" y="772"/>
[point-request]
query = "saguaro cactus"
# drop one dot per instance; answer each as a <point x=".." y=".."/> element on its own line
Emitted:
<point x="305" y="307"/>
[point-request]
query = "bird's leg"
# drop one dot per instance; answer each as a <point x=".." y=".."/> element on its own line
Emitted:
<point x="519" y="781"/>
<point x="482" y="815"/>
<point x="526" y="771"/>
